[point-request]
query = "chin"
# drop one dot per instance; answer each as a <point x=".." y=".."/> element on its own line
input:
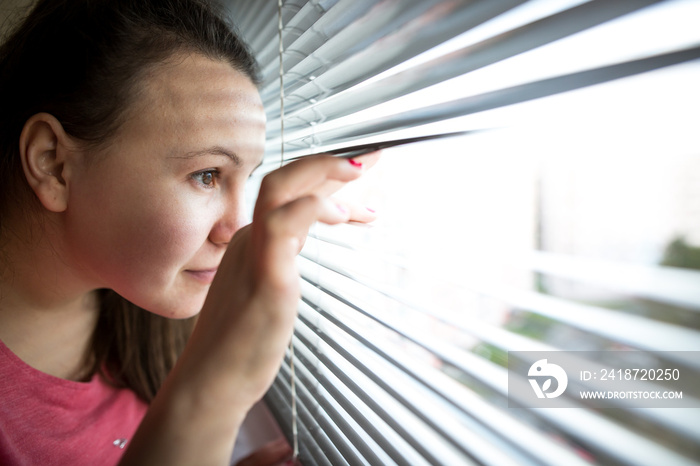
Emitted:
<point x="184" y="312"/>
<point x="172" y="300"/>
<point x="178" y="308"/>
<point x="180" y="315"/>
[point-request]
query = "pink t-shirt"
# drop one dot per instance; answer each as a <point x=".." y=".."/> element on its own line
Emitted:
<point x="51" y="421"/>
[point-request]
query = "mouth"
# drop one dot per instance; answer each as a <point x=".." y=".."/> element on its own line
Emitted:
<point x="205" y="276"/>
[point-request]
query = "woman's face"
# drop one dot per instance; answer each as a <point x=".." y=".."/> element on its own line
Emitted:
<point x="150" y="216"/>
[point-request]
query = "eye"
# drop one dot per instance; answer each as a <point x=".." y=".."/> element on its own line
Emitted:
<point x="206" y="178"/>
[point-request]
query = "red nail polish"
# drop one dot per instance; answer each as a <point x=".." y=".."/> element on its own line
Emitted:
<point x="371" y="210"/>
<point x="355" y="163"/>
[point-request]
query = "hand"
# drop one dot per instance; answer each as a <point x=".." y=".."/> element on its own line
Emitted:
<point x="248" y="317"/>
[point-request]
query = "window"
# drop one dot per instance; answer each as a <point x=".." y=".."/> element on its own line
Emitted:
<point x="566" y="218"/>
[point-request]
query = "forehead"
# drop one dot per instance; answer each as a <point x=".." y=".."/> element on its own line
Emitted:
<point x="193" y="100"/>
<point x="192" y="76"/>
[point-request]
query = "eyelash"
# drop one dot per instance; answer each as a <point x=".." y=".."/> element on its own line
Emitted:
<point x="214" y="177"/>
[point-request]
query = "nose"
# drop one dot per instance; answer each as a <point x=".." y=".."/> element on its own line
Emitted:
<point x="231" y="219"/>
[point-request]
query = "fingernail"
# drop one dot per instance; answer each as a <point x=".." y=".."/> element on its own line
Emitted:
<point x="355" y="163"/>
<point x="371" y="210"/>
<point x="342" y="208"/>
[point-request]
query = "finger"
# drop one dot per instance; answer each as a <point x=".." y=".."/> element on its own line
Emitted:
<point x="321" y="175"/>
<point x="280" y="235"/>
<point x="370" y="159"/>
<point x="356" y="212"/>
<point x="268" y="455"/>
<point x="294" y="219"/>
<point x="360" y="213"/>
<point x="365" y="162"/>
<point x="301" y="178"/>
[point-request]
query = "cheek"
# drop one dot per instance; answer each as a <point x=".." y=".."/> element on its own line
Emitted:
<point x="135" y="240"/>
<point x="153" y="241"/>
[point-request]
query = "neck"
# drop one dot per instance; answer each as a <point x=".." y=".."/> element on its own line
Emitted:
<point x="47" y="314"/>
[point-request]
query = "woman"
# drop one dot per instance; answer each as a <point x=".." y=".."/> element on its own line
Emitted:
<point x="127" y="132"/>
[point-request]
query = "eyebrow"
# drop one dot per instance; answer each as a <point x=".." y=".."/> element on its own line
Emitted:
<point x="216" y="150"/>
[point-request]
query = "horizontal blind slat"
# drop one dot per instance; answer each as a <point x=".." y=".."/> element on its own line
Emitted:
<point x="320" y="100"/>
<point x="314" y="141"/>
<point x="473" y="368"/>
<point x="460" y="359"/>
<point x="346" y="71"/>
<point x="345" y="29"/>
<point x="308" y="353"/>
<point x="295" y="21"/>
<point x="257" y="17"/>
<point x="635" y="331"/>
<point x="458" y="401"/>
<point x="389" y="409"/>
<point x="325" y="433"/>
<point x="665" y="284"/>
<point x="454" y="434"/>
<point x="276" y="398"/>
<point x="599" y="433"/>
<point x="601" y="443"/>
<point x="308" y="382"/>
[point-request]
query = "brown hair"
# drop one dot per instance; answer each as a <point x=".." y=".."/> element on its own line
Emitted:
<point x="82" y="61"/>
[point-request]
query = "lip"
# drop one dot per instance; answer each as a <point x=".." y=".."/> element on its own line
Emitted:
<point x="203" y="275"/>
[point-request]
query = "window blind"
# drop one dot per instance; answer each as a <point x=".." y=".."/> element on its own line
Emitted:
<point x="565" y="218"/>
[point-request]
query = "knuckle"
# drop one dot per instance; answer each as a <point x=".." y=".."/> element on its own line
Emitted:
<point x="290" y="217"/>
<point x="269" y="182"/>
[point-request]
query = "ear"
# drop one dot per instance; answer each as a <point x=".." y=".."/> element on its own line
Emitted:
<point x="43" y="150"/>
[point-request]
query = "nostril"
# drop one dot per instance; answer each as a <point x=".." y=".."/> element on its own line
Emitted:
<point x="223" y="231"/>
